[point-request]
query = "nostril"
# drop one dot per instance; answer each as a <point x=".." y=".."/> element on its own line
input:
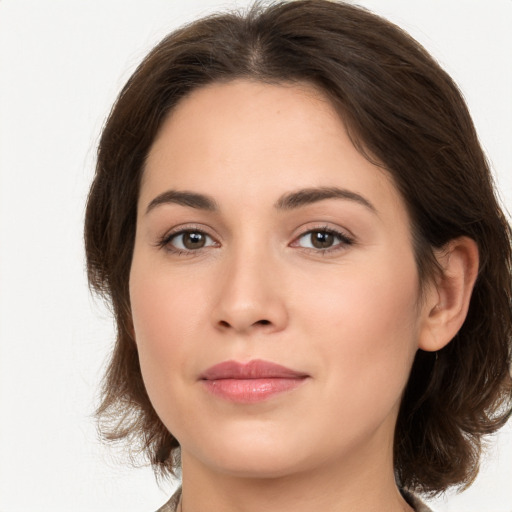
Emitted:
<point x="223" y="324"/>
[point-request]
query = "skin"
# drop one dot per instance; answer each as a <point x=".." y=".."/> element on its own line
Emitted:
<point x="349" y="316"/>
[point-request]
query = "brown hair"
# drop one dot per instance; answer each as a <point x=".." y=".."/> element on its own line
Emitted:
<point x="403" y="111"/>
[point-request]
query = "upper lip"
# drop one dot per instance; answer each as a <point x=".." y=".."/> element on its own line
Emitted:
<point x="255" y="369"/>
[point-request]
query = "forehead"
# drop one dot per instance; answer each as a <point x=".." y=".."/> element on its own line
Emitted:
<point x="245" y="120"/>
<point x="260" y="140"/>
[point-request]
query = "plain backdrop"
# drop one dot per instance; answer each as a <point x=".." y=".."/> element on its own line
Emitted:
<point x="62" y="62"/>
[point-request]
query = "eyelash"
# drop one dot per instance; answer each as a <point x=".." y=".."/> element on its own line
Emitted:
<point x="343" y="241"/>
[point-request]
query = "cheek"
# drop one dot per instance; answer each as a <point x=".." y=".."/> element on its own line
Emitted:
<point x="367" y="321"/>
<point x="165" y="312"/>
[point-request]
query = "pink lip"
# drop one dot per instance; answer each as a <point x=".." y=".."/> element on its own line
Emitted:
<point x="251" y="382"/>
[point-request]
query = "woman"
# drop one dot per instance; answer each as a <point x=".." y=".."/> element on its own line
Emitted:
<point x="310" y="273"/>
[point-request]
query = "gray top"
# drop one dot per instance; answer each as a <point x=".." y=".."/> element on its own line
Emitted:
<point x="413" y="500"/>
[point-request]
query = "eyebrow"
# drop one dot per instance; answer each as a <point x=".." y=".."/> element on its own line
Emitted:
<point x="307" y="196"/>
<point x="184" y="198"/>
<point x="289" y="201"/>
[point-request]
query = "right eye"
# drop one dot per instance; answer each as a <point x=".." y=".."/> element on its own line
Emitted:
<point x="188" y="240"/>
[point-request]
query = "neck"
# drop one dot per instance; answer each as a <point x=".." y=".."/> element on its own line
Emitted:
<point x="354" y="486"/>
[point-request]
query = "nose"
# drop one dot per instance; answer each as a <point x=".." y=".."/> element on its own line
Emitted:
<point x="250" y="298"/>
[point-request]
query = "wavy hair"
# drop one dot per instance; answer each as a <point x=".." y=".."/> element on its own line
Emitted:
<point x="402" y="111"/>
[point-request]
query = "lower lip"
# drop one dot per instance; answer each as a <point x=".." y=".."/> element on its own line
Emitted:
<point x="251" y="390"/>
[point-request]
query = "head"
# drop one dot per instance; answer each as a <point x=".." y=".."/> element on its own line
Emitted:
<point x="406" y="140"/>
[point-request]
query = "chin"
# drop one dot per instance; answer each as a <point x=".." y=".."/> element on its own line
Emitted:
<point x="250" y="455"/>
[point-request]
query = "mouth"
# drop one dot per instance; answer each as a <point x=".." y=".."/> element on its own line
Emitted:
<point x="250" y="382"/>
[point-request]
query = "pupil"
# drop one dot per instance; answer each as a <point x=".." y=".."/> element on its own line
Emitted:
<point x="193" y="240"/>
<point x="322" y="239"/>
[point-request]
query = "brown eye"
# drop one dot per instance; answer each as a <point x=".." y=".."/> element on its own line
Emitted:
<point x="189" y="241"/>
<point x="193" y="240"/>
<point x="321" y="239"/>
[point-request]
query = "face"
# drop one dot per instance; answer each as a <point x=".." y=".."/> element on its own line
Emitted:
<point x="273" y="286"/>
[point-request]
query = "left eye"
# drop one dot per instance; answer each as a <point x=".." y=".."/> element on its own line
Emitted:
<point x="322" y="239"/>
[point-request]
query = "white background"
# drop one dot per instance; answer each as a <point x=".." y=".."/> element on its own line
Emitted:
<point x="62" y="63"/>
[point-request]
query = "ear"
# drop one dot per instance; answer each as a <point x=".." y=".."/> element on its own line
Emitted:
<point x="447" y="301"/>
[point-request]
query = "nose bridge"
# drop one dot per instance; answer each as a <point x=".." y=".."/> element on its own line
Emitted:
<point x="249" y="293"/>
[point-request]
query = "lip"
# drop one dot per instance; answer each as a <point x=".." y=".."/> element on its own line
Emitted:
<point x="250" y="382"/>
